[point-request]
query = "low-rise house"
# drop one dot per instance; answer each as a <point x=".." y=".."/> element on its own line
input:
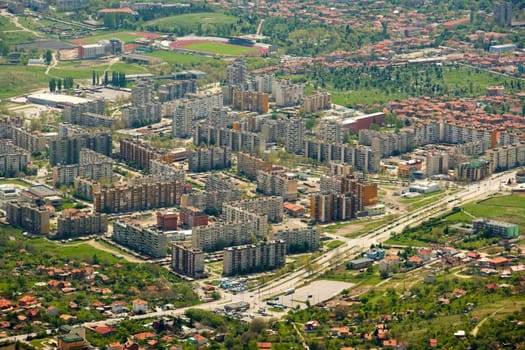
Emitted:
<point x="311" y="326"/>
<point x="140" y="306"/>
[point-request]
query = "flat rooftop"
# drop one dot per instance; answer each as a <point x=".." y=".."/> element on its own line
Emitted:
<point x="56" y="98"/>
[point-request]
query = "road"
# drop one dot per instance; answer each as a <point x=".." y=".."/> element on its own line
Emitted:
<point x="301" y="276"/>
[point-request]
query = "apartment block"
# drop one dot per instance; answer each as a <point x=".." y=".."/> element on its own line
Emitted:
<point x="318" y="101"/>
<point x="237" y="72"/>
<point x="66" y="148"/>
<point x="192" y="217"/>
<point x="28" y="217"/>
<point x="287" y="94"/>
<point x="332" y="207"/>
<point x="193" y="108"/>
<point x="141" y="115"/>
<point x="75" y="223"/>
<point x="73" y="112"/>
<point x="249" y="165"/>
<point x="138" y="153"/>
<point x="161" y="167"/>
<point x="187" y="261"/>
<point x="359" y="157"/>
<point x="142" y="193"/>
<point x="474" y="170"/>
<point x="503" y="13"/>
<point x="27" y="139"/>
<point x="275" y="184"/>
<point x="506" y="157"/>
<point x="271" y="206"/>
<point x="177" y="89"/>
<point x="7" y="123"/>
<point x="13" y="159"/>
<point x="300" y="240"/>
<point x="234" y="140"/>
<point x="209" y="158"/>
<point x="502" y="229"/>
<point x="264" y="83"/>
<point x="66" y="174"/>
<point x="264" y="256"/>
<point x="295" y="130"/>
<point x="142" y="92"/>
<point x="167" y="221"/>
<point x="144" y="240"/>
<point x="220" y="182"/>
<point x="437" y="163"/>
<point x="246" y="100"/>
<point x="71" y="5"/>
<point x="258" y="222"/>
<point x="219" y="235"/>
<point x="455" y="133"/>
<point x="85" y="188"/>
<point x="210" y="200"/>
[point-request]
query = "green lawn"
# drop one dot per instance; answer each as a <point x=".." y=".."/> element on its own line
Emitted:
<point x="219" y="48"/>
<point x="14" y="182"/>
<point x="18" y="80"/>
<point x="179" y="58"/>
<point x="6" y="24"/>
<point x="334" y="244"/>
<point x="190" y="20"/>
<point x="504" y="208"/>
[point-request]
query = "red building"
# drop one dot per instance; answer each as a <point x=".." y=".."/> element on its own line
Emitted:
<point x="167" y="221"/>
<point x="192" y="216"/>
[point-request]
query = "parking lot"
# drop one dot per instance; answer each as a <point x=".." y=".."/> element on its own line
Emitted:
<point x="316" y="292"/>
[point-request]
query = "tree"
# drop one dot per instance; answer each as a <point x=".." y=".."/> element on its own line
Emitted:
<point x="93" y="78"/>
<point x="59" y="84"/>
<point x="48" y="57"/>
<point x="52" y="85"/>
<point x="106" y="79"/>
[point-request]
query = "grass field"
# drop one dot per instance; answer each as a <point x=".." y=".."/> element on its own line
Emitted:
<point x="18" y="80"/>
<point x="14" y="182"/>
<point x="83" y="69"/>
<point x="179" y="58"/>
<point x="220" y="48"/>
<point x="190" y="20"/>
<point x="504" y="208"/>
<point x="6" y="24"/>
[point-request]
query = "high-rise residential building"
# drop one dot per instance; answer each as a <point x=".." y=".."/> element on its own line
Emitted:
<point x="474" y="170"/>
<point x="167" y="221"/>
<point x="506" y="157"/>
<point x="13" y="159"/>
<point x="295" y="130"/>
<point x="276" y="184"/>
<point x="318" y="101"/>
<point x="233" y="139"/>
<point x="210" y="201"/>
<point x="264" y="83"/>
<point x="192" y="109"/>
<point x="271" y="206"/>
<point x="71" y="5"/>
<point x="187" y="261"/>
<point x="503" y="13"/>
<point x="177" y="89"/>
<point x="142" y="92"/>
<point x="75" y="223"/>
<point x="268" y="255"/>
<point x="209" y="158"/>
<point x="246" y="100"/>
<point x="66" y="148"/>
<point x="28" y="140"/>
<point x="141" y="193"/>
<point x="249" y="165"/>
<point x="300" y="240"/>
<point x="145" y="240"/>
<point x="257" y="222"/>
<point x="28" y="217"/>
<point x="219" y="235"/>
<point x="437" y="163"/>
<point x="138" y="153"/>
<point x="192" y="217"/>
<point x="332" y="207"/>
<point x="137" y="116"/>
<point x="73" y="112"/>
<point x="287" y="94"/>
<point x="237" y="72"/>
<point x="92" y="165"/>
